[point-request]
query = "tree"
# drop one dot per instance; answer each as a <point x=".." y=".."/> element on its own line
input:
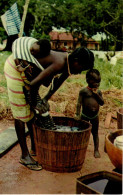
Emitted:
<point x="109" y="14"/>
<point x="77" y="16"/>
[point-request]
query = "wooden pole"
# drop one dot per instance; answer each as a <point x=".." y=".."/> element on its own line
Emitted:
<point x="23" y="18"/>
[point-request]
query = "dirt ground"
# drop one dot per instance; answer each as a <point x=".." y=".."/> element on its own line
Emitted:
<point x="17" y="179"/>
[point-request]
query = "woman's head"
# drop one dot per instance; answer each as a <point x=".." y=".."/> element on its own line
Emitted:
<point x="81" y="59"/>
<point x="93" y="78"/>
<point x="41" y="48"/>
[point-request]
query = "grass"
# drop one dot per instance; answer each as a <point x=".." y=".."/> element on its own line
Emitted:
<point x="3" y="95"/>
<point x="111" y="75"/>
<point x="118" y="102"/>
<point x="3" y="56"/>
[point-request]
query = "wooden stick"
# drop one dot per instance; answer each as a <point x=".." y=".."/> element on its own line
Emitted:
<point x="108" y="119"/>
<point x="23" y="18"/>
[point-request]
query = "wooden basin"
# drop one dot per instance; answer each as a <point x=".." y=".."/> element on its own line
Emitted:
<point x="114" y="153"/>
<point x="60" y="151"/>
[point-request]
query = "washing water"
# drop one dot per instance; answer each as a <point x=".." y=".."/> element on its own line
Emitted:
<point x="106" y="186"/>
<point x="62" y="128"/>
<point x="46" y="121"/>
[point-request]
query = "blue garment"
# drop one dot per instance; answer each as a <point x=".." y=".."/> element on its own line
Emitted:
<point x="13" y="21"/>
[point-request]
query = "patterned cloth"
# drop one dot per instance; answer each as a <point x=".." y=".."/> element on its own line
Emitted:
<point x="21" y="50"/>
<point x="15" y="83"/>
<point x="11" y="20"/>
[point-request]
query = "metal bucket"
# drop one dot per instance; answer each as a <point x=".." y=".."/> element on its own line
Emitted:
<point x="62" y="151"/>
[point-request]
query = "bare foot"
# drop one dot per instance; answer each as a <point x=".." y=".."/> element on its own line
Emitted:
<point x="97" y="154"/>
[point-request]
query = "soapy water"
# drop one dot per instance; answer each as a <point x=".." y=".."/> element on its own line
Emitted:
<point x="62" y="128"/>
<point x="48" y="123"/>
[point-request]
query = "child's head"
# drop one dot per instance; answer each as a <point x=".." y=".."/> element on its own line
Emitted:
<point x="93" y="78"/>
<point x="81" y="59"/>
<point x="41" y="48"/>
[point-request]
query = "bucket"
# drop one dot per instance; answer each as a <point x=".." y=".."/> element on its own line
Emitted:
<point x="62" y="151"/>
<point x="120" y="118"/>
<point x="103" y="182"/>
<point x="114" y="153"/>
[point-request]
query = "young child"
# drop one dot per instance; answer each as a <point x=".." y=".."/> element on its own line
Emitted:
<point x="90" y="98"/>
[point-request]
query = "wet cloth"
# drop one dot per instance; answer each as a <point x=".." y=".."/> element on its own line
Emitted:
<point x="21" y="50"/>
<point x="15" y="83"/>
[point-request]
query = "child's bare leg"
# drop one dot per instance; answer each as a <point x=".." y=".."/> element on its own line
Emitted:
<point x="95" y="125"/>
<point x="96" y="146"/>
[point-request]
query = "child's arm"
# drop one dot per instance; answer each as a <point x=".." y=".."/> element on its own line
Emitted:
<point x="98" y="96"/>
<point x="79" y="105"/>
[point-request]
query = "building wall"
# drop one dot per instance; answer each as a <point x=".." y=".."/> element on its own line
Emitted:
<point x="70" y="45"/>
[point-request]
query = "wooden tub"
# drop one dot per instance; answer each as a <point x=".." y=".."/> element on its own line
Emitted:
<point x="114" y="153"/>
<point x="62" y="151"/>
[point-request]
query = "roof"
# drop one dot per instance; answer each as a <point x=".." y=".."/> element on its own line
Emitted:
<point x="61" y="36"/>
<point x="64" y="36"/>
<point x="53" y="35"/>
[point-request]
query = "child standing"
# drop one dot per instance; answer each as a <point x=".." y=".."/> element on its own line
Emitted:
<point x="90" y="98"/>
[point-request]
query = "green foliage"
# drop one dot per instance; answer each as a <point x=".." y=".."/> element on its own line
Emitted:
<point x="3" y="56"/>
<point x="39" y="35"/>
<point x="118" y="102"/>
<point x="111" y="74"/>
<point x="90" y="15"/>
<point x="3" y="96"/>
<point x="3" y="35"/>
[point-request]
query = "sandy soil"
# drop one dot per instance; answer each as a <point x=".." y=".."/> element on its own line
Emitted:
<point x="15" y="178"/>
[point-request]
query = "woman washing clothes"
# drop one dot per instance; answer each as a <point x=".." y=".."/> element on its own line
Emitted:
<point x="31" y="65"/>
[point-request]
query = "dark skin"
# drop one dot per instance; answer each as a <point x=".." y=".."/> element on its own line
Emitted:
<point x="90" y="98"/>
<point x="55" y="63"/>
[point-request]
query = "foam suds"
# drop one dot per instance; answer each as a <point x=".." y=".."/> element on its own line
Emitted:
<point x="62" y="128"/>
